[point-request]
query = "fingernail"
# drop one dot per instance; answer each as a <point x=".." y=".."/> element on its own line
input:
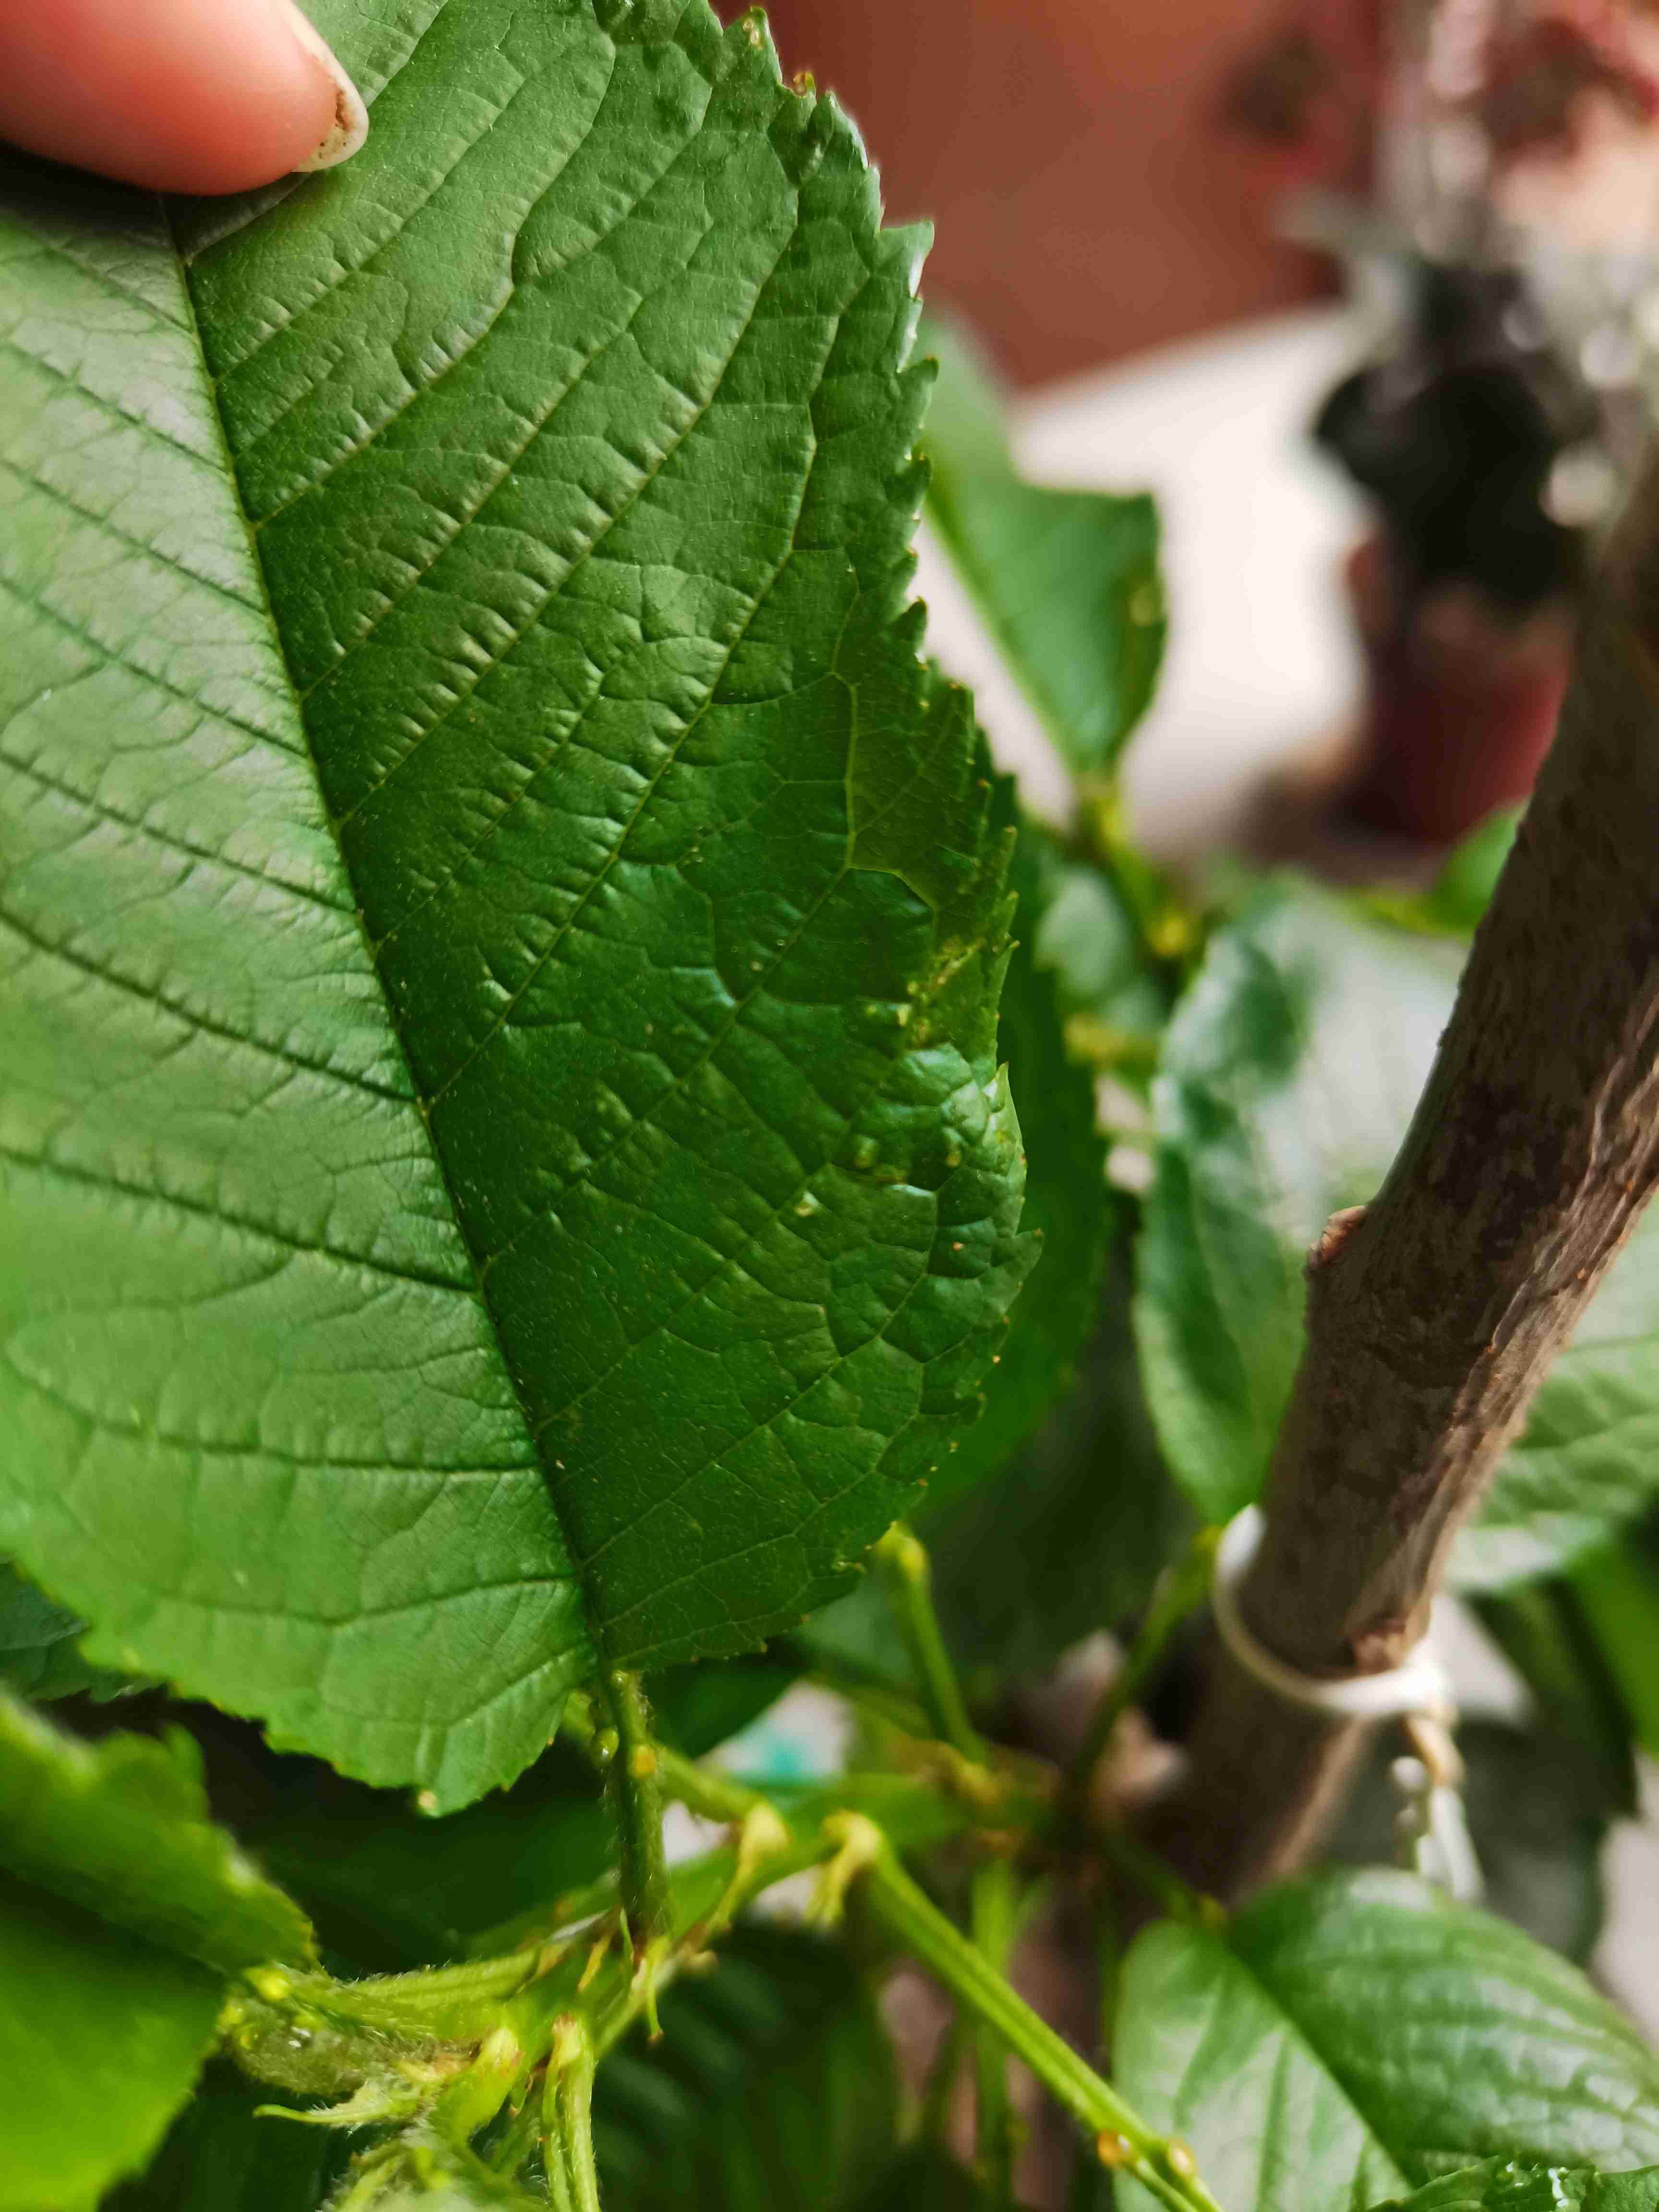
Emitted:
<point x="350" y="124"/>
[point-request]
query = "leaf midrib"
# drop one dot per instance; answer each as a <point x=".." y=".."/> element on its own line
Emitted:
<point x="1581" y="2034"/>
<point x="440" y="1166"/>
<point x="478" y="1264"/>
<point x="1294" y="2034"/>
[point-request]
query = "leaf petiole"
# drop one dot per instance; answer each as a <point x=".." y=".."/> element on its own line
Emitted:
<point x="992" y="1909"/>
<point x="904" y="1562"/>
<point x="567" y="2111"/>
<point x="1123" y="2140"/>
<point x="634" y="1787"/>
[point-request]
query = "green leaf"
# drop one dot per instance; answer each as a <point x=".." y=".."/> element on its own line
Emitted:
<point x="1203" y="2049"/>
<point x="391" y="1889"/>
<point x="1067" y="1537"/>
<point x="1288" y="1077"/>
<point x="1460" y="893"/>
<point x="1617" y="1590"/>
<point x="100" y="2036"/>
<point x="1506" y="2185"/>
<point x="1070" y="1535"/>
<point x="1067" y="1203"/>
<point x="773" y="2086"/>
<point x="1541" y="1631"/>
<point x="1109" y="993"/>
<point x="1586" y="1462"/>
<point x="1067" y="582"/>
<point x="39" y="1656"/>
<point x="1350" y="2037"/>
<point x="1061" y="1465"/>
<point x="219" y="2157"/>
<point x="121" y="1828"/>
<point x="121" y="1909"/>
<point x="506" y="1164"/>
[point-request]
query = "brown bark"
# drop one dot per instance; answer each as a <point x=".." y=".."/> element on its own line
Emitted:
<point x="1434" y="1312"/>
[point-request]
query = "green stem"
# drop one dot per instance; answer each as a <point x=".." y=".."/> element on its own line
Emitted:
<point x="558" y="2174"/>
<point x="636" y="1797"/>
<point x="579" y="1724"/>
<point x="993" y="1895"/>
<point x="704" y="1789"/>
<point x="910" y="1578"/>
<point x="567" y="2107"/>
<point x="1122" y="2138"/>
<point x="538" y="1977"/>
<point x="1170" y="933"/>
<point x="992" y="1906"/>
<point x="1180" y="1590"/>
<point x="887" y="1708"/>
<point x="450" y="2004"/>
<point x="518" y="2138"/>
<point x="934" y="2124"/>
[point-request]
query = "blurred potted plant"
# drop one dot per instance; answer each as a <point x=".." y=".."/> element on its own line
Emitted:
<point x="1506" y="141"/>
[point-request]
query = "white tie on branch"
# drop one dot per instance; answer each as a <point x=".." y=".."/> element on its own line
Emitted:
<point x="1434" y="1312"/>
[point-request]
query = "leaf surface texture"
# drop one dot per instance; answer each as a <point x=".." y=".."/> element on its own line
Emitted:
<point x="1354" y="2035"/>
<point x="505" y="1162"/>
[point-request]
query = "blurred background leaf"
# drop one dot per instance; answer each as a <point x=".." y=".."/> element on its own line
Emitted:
<point x="1288" y="1077"/>
<point x="773" y="2086"/>
<point x="1067" y="582"/>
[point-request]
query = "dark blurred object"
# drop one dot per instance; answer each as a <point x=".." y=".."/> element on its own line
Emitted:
<point x="1307" y="95"/>
<point x="1466" y="597"/>
<point x="1456" y="437"/>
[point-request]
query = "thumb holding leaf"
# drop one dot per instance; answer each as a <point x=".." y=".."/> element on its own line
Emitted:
<point x="180" y="95"/>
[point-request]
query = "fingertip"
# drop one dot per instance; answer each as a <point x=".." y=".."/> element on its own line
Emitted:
<point x="349" y="124"/>
<point x="180" y="95"/>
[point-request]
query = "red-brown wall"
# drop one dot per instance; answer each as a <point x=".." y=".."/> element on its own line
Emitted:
<point x="1086" y="202"/>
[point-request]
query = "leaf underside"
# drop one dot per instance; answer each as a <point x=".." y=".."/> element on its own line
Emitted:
<point x="504" y="1164"/>
<point x="120" y="1827"/>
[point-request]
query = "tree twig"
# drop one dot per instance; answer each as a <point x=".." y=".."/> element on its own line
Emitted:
<point x="1434" y="1312"/>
